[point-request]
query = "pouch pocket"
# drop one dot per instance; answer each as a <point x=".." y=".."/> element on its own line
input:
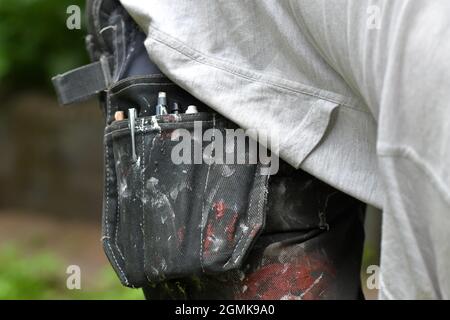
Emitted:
<point x="181" y="210"/>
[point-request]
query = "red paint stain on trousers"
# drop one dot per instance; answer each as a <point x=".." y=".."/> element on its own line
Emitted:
<point x="307" y="278"/>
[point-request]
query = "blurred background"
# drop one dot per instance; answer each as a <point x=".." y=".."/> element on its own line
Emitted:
<point x="51" y="172"/>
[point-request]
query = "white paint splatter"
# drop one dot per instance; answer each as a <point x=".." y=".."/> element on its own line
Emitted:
<point x="154" y="123"/>
<point x="138" y="162"/>
<point x="312" y="286"/>
<point x="243" y="227"/>
<point x="227" y="171"/>
<point x="163" y="265"/>
<point x="152" y="182"/>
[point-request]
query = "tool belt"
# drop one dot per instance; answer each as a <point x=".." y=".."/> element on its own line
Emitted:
<point x="167" y="219"/>
<point x="161" y="219"/>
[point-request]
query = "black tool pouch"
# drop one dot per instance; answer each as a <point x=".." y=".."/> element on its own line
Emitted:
<point x="163" y="219"/>
<point x="173" y="211"/>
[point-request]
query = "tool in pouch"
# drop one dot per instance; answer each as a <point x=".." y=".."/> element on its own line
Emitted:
<point x="162" y="219"/>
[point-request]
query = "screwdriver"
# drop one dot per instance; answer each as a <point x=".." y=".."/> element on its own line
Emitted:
<point x="132" y="124"/>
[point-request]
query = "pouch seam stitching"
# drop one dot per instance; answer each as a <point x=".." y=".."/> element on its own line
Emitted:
<point x="106" y="216"/>
<point x="243" y="235"/>
<point x="143" y="208"/>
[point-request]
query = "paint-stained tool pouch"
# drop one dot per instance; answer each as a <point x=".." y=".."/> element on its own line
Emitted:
<point x="168" y="211"/>
<point x="177" y="209"/>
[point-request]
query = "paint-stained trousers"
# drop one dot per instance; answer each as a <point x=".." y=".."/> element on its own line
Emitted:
<point x="311" y="248"/>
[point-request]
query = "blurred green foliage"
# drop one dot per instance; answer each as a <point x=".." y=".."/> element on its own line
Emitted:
<point x="42" y="276"/>
<point x="35" y="43"/>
